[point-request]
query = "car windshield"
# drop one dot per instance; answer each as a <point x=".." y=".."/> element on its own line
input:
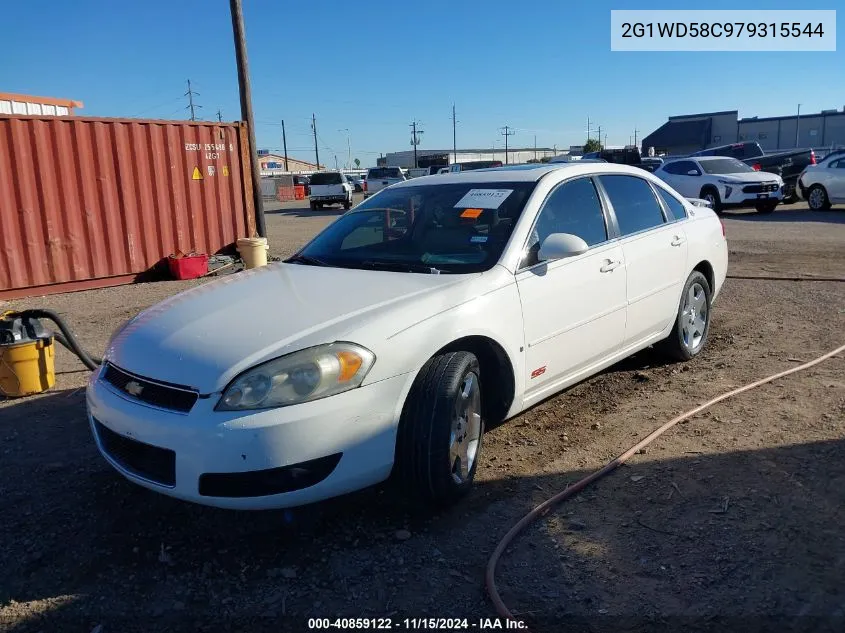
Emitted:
<point x="384" y="172"/>
<point x="327" y="179"/>
<point x="724" y="166"/>
<point x="450" y="228"/>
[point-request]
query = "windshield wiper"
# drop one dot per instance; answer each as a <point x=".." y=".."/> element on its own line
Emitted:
<point x="411" y="267"/>
<point x="306" y="259"/>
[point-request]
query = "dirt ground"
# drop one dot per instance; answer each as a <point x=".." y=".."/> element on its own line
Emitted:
<point x="731" y="521"/>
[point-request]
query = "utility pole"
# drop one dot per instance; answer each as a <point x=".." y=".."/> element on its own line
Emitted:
<point x="285" y="144"/>
<point x="191" y="105"/>
<point x="415" y="139"/>
<point x="797" y="124"/>
<point x="335" y="163"/>
<point x="219" y="116"/>
<point x="600" y="145"/>
<point x="535" y="147"/>
<point x="588" y="128"/>
<point x="316" y="151"/>
<point x="635" y="136"/>
<point x="506" y="132"/>
<point x="454" y="135"/>
<point x="246" y="111"/>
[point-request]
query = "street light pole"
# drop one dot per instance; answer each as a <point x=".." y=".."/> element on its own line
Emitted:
<point x="348" y="148"/>
<point x="797" y="124"/>
<point x="246" y="110"/>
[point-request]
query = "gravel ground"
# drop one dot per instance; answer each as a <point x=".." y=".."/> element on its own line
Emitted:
<point x="731" y="520"/>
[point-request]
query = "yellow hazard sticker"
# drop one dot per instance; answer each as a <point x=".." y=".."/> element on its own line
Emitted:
<point x="225" y="170"/>
<point x="197" y="175"/>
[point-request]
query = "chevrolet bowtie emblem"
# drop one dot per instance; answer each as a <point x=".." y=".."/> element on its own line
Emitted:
<point x="134" y="388"/>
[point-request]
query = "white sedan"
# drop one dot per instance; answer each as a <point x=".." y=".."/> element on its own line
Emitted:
<point x="387" y="343"/>
<point x="823" y="185"/>
<point x="726" y="183"/>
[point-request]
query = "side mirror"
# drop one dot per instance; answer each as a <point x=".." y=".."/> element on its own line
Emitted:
<point x="561" y="246"/>
<point x="692" y="172"/>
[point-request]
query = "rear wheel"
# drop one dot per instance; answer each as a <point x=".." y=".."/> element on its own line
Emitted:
<point x="313" y="206"/>
<point x="347" y="204"/>
<point x="817" y="198"/>
<point x="766" y="207"/>
<point x="440" y="430"/>
<point x="692" y="323"/>
<point x="712" y="196"/>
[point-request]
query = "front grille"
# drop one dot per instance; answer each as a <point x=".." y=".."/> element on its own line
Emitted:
<point x="761" y="188"/>
<point x="144" y="460"/>
<point x="166" y="396"/>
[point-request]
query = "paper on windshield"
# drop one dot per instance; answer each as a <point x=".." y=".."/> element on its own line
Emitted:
<point x="483" y="198"/>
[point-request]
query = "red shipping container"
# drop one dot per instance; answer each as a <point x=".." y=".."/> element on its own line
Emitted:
<point x="189" y="267"/>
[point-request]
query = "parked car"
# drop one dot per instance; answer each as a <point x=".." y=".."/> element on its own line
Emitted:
<point x="387" y="344"/>
<point x="788" y="165"/>
<point x="305" y="181"/>
<point x="360" y="183"/>
<point x="474" y="164"/>
<point x="724" y="182"/>
<point x="650" y="163"/>
<point x="330" y="187"/>
<point x="823" y="185"/>
<point x="620" y="155"/>
<point x="380" y="177"/>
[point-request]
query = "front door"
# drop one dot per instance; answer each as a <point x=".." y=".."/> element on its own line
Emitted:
<point x="573" y="308"/>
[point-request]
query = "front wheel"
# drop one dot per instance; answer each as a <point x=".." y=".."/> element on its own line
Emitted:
<point x="347" y="204"/>
<point x="692" y="322"/>
<point x="440" y="430"/>
<point x="817" y="198"/>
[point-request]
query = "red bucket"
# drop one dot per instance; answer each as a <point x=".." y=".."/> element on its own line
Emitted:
<point x="188" y="266"/>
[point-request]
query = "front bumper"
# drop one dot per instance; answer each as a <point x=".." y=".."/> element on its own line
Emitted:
<point x="253" y="460"/>
<point x="734" y="196"/>
<point x="337" y="198"/>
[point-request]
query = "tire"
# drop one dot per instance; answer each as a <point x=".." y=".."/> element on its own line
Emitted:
<point x="766" y="207"/>
<point x="711" y="194"/>
<point x="689" y="336"/>
<point x="817" y="198"/>
<point x="313" y="206"/>
<point x="432" y="462"/>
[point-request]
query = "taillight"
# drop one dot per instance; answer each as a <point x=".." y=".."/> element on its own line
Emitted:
<point x="365" y="185"/>
<point x="756" y="167"/>
<point x="812" y="157"/>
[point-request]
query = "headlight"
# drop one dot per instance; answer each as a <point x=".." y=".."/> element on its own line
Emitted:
<point x="306" y="375"/>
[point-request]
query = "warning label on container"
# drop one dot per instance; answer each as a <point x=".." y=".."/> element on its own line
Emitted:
<point x="197" y="175"/>
<point x="225" y="170"/>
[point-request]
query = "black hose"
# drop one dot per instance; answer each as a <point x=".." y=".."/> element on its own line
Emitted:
<point x="66" y="337"/>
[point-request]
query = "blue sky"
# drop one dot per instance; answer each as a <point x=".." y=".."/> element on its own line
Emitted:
<point x="541" y="66"/>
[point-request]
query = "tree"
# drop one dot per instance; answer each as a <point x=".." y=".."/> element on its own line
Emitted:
<point x="532" y="160"/>
<point x="592" y="145"/>
<point x="545" y="159"/>
<point x="357" y="162"/>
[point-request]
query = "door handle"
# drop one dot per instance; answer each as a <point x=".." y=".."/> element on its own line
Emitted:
<point x="677" y="240"/>
<point x="609" y="265"/>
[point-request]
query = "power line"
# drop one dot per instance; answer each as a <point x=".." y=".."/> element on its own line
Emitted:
<point x="191" y="105"/>
<point x="506" y="131"/>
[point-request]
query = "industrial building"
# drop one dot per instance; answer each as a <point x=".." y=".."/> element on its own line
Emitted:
<point x="445" y="157"/>
<point x="11" y="103"/>
<point x="271" y="164"/>
<point x="689" y="133"/>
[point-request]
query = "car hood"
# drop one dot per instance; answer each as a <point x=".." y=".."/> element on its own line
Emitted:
<point x="204" y="337"/>
<point x="756" y="176"/>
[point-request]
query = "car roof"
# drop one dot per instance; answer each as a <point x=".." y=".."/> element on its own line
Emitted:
<point x="701" y="159"/>
<point x="523" y="173"/>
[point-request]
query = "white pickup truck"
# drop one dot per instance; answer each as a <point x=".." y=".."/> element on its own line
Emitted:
<point x="330" y="187"/>
<point x="379" y="178"/>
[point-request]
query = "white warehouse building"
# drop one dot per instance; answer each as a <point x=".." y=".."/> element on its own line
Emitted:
<point x="445" y="157"/>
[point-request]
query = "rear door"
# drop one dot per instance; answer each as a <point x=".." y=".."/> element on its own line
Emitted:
<point x="655" y="253"/>
<point x="677" y="177"/>
<point x="835" y="180"/>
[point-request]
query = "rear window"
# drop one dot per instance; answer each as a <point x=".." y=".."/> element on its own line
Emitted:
<point x="384" y="172"/>
<point x="331" y="178"/>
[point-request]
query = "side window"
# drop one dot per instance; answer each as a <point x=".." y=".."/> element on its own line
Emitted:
<point x="687" y="165"/>
<point x="838" y="164"/>
<point x="634" y="203"/>
<point x="573" y="207"/>
<point x="676" y="207"/>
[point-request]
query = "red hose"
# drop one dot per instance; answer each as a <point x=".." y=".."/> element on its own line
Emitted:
<point x="543" y="508"/>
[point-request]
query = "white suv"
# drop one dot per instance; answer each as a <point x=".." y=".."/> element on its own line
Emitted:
<point x="330" y="187"/>
<point x="724" y="182"/>
<point x="379" y="178"/>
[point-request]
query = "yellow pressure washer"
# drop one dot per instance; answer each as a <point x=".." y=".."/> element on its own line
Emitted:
<point x="27" y="352"/>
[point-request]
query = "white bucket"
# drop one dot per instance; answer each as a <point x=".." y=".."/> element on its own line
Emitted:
<point x="253" y="250"/>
